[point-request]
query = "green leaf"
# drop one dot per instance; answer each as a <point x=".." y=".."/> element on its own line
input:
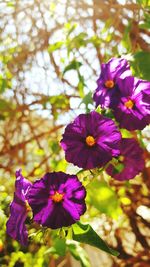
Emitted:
<point x="126" y="42"/>
<point x="107" y="113"/>
<point x="84" y="233"/>
<point x="108" y="24"/>
<point x="81" y="85"/>
<point x="58" y="248"/>
<point x="140" y="65"/>
<point x="145" y="25"/>
<point x="125" y="133"/>
<point x="95" y="40"/>
<point x="99" y="109"/>
<point x="70" y="28"/>
<point x="5" y="82"/>
<point x="59" y="165"/>
<point x="100" y="195"/>
<point x="55" y="147"/>
<point x="144" y="3"/>
<point x="3" y="85"/>
<point x="55" y="46"/>
<point x="59" y="102"/>
<point x="118" y="168"/>
<point x="11" y="4"/>
<point x="74" y="65"/>
<point x="76" y="42"/>
<point x="79" y="253"/>
<point x="81" y="89"/>
<point x="87" y="100"/>
<point x="3" y="105"/>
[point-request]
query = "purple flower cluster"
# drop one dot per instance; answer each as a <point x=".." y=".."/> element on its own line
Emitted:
<point x="56" y="200"/>
<point x="107" y="91"/>
<point x="90" y="141"/>
<point x="127" y="96"/>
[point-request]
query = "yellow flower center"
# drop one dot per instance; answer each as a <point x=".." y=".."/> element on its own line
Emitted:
<point x="57" y="197"/>
<point x="109" y="84"/>
<point x="129" y="104"/>
<point x="90" y="140"/>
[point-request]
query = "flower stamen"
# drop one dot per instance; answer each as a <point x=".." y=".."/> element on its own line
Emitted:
<point x="90" y="140"/>
<point x="109" y="84"/>
<point x="129" y="104"/>
<point x="57" y="197"/>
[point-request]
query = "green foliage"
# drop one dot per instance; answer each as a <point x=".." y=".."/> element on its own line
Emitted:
<point x="11" y="3"/>
<point x="126" y="42"/>
<point x="78" y="253"/>
<point x="84" y="233"/>
<point x="55" y="46"/>
<point x="126" y="134"/>
<point x="146" y="23"/>
<point x="76" y="42"/>
<point x="87" y="100"/>
<point x="59" y="165"/>
<point x="58" y="103"/>
<point x="4" y="83"/>
<point x="73" y="65"/>
<point x="58" y="248"/>
<point x="118" y="168"/>
<point x="69" y="28"/>
<point x="81" y="85"/>
<point x="140" y="65"/>
<point x="100" y="195"/>
<point x="144" y="3"/>
<point x="4" y="105"/>
<point x="27" y="259"/>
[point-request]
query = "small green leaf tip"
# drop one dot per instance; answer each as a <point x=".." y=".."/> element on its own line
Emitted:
<point x="84" y="233"/>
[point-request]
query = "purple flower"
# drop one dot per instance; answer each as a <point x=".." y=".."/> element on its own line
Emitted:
<point x="133" y="109"/>
<point x="107" y="92"/>
<point x="57" y="200"/>
<point x="91" y="141"/>
<point x="130" y="162"/>
<point x="18" y="210"/>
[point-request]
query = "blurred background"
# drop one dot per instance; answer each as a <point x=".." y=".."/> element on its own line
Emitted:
<point x="50" y="58"/>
